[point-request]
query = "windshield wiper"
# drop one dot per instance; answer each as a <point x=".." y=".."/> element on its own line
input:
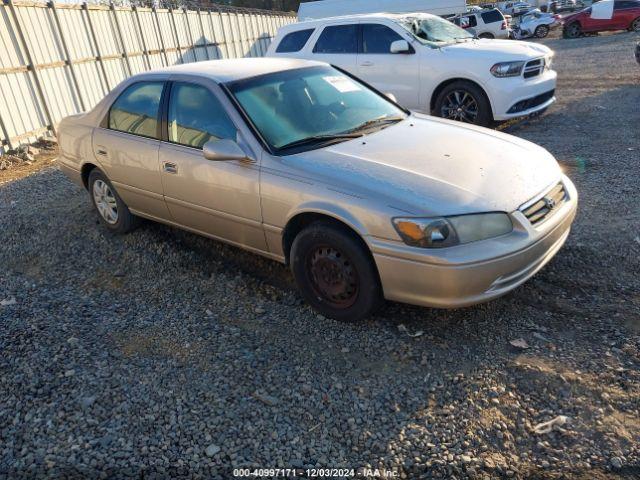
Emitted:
<point x="375" y="122"/>
<point x="318" y="139"/>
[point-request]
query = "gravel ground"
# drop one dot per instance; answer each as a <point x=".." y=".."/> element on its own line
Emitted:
<point x="162" y="354"/>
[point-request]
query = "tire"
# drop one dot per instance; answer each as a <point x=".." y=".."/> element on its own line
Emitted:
<point x="637" y="53"/>
<point x="635" y="25"/>
<point x="541" y="31"/>
<point x="335" y="272"/>
<point x="486" y="35"/>
<point x="445" y="104"/>
<point x="573" y="30"/>
<point x="112" y="211"/>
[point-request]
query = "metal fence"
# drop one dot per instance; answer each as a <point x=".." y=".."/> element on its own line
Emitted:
<point x="60" y="59"/>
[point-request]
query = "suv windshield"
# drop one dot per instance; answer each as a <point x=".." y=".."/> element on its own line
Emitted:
<point x="306" y="108"/>
<point x="434" y="30"/>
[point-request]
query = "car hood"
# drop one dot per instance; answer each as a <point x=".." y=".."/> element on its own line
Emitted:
<point x="429" y="166"/>
<point x="499" y="50"/>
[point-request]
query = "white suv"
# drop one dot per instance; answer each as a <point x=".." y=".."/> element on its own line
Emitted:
<point x="484" y="24"/>
<point x="429" y="64"/>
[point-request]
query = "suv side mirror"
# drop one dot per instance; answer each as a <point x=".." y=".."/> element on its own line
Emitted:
<point x="223" y="149"/>
<point x="400" y="46"/>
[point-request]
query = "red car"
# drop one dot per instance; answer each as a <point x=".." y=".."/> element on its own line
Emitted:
<point x="603" y="15"/>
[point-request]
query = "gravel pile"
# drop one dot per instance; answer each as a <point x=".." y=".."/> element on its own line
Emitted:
<point x="162" y="354"/>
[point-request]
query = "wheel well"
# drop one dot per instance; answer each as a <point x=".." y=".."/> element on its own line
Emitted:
<point x="303" y="220"/>
<point x="444" y="84"/>
<point x="85" y="172"/>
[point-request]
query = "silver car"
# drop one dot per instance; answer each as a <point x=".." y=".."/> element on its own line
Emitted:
<point x="302" y="163"/>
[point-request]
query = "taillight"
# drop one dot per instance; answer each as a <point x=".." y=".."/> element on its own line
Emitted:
<point x="504" y="26"/>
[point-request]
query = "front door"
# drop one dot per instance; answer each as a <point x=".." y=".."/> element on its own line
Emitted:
<point x="397" y="73"/>
<point x="218" y="198"/>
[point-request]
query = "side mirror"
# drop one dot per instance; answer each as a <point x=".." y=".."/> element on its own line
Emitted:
<point x="400" y="46"/>
<point x="391" y="97"/>
<point x="223" y="149"/>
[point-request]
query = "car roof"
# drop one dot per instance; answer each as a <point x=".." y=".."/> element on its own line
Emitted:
<point x="355" y="17"/>
<point x="229" y="70"/>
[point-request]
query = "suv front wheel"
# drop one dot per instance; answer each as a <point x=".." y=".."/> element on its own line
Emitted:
<point x="335" y="272"/>
<point x="464" y="101"/>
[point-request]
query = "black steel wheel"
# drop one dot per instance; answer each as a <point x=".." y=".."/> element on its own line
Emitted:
<point x="335" y="272"/>
<point x="465" y="102"/>
<point x="573" y="30"/>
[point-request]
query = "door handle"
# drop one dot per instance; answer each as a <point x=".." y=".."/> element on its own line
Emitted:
<point x="101" y="151"/>
<point x="170" y="167"/>
<point x="366" y="64"/>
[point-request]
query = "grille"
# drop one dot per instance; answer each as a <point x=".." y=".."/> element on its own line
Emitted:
<point x="543" y="208"/>
<point x="523" y="105"/>
<point x="533" y="68"/>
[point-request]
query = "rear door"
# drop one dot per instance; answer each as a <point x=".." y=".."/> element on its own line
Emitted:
<point x="337" y="44"/>
<point x="126" y="147"/>
<point x="397" y="73"/>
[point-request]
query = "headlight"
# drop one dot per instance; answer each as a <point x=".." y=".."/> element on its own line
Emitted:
<point x="548" y="60"/>
<point x="507" y="69"/>
<point x="449" y="231"/>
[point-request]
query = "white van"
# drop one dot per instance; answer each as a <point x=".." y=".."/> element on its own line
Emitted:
<point x="335" y="8"/>
<point x="429" y="64"/>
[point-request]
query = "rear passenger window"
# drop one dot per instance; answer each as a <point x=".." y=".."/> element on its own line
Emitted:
<point x="338" y="39"/>
<point x="466" y="22"/>
<point x="492" y="16"/>
<point x="294" y="41"/>
<point x="136" y="109"/>
<point x="196" y="116"/>
<point x="377" y="38"/>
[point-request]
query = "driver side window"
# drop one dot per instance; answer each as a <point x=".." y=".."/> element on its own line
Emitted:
<point x="196" y="116"/>
<point x="377" y="38"/>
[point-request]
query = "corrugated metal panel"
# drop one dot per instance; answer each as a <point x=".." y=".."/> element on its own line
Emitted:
<point x="58" y="59"/>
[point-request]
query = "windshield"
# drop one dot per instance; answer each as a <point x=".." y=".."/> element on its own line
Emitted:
<point x="434" y="30"/>
<point x="308" y="107"/>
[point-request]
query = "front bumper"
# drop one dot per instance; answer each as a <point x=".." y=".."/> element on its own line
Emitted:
<point x="511" y="91"/>
<point x="477" y="272"/>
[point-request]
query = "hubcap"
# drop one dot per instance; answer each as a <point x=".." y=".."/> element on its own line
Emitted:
<point x="333" y="277"/>
<point x="105" y="202"/>
<point x="460" y="105"/>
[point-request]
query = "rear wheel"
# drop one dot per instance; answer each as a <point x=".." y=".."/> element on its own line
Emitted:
<point x="573" y="30"/>
<point x="486" y="35"/>
<point x="335" y="272"/>
<point x="542" y="31"/>
<point x="112" y="211"/>
<point x="466" y="102"/>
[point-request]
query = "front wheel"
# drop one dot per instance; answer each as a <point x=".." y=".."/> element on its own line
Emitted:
<point x="465" y="102"/>
<point x="542" y="31"/>
<point x="573" y="30"/>
<point x="112" y="211"/>
<point x="635" y="25"/>
<point x="335" y="272"/>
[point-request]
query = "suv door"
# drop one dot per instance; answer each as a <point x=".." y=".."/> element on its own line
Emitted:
<point x="126" y="146"/>
<point x="218" y="198"/>
<point x="337" y="44"/>
<point x="397" y="73"/>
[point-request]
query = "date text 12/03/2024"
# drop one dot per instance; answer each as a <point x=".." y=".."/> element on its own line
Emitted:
<point x="314" y="473"/>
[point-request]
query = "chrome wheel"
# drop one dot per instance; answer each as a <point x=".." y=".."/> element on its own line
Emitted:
<point x="105" y="202"/>
<point x="333" y="276"/>
<point x="460" y="105"/>
<point x="542" y="31"/>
